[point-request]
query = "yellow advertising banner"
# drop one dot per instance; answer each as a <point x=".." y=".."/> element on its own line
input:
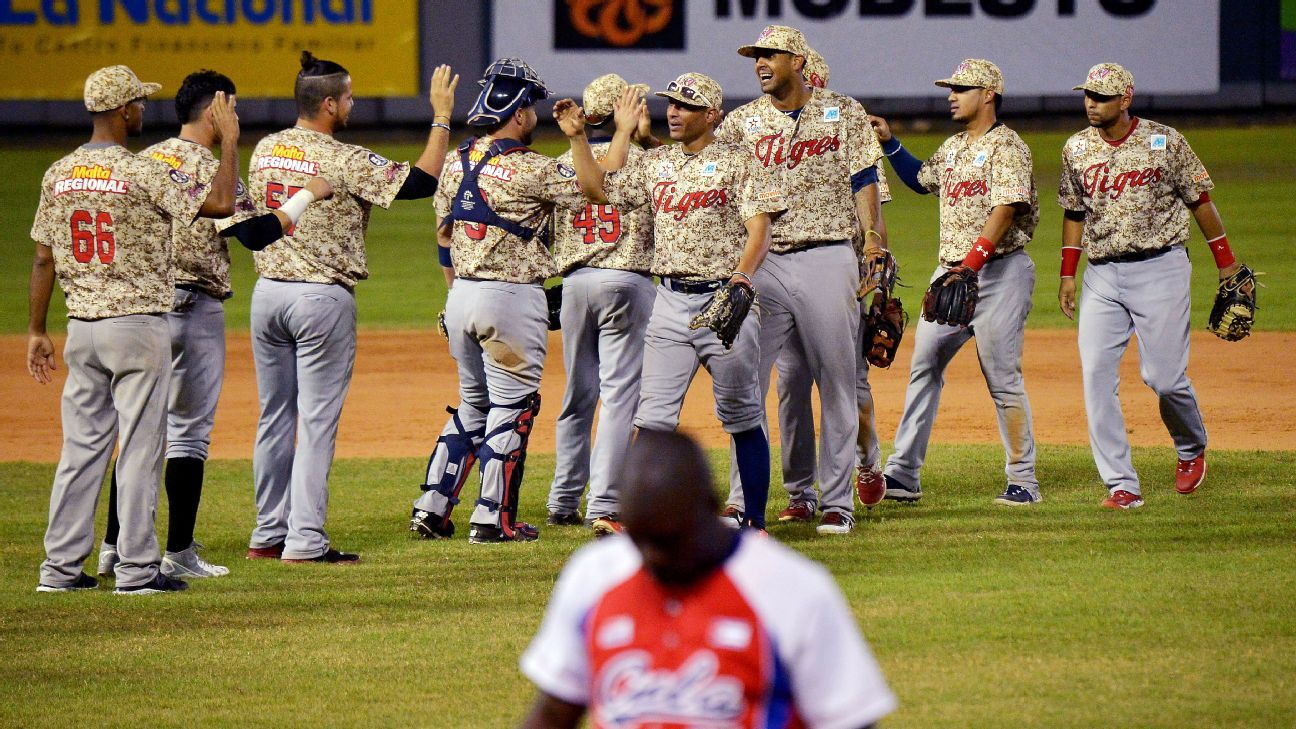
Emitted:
<point x="48" y="47"/>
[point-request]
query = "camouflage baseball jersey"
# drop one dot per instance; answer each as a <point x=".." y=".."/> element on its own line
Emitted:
<point x="201" y="256"/>
<point x="328" y="243"/>
<point x="523" y="187"/>
<point x="700" y="203"/>
<point x="106" y="213"/>
<point x="817" y="153"/>
<point x="972" y="177"/>
<point x="600" y="235"/>
<point x="1134" y="191"/>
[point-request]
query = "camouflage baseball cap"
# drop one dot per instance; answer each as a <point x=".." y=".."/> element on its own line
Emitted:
<point x="114" y="86"/>
<point x="976" y="72"/>
<point x="816" y="69"/>
<point x="1108" y="79"/>
<point x="603" y="91"/>
<point x="695" y="89"/>
<point x="777" y="38"/>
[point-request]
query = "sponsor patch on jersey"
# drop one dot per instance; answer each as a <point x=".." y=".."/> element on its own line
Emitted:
<point x="566" y="171"/>
<point x="169" y="159"/>
<point x="1157" y="141"/>
<point x="730" y="634"/>
<point x="286" y="157"/>
<point x="752" y="125"/>
<point x="832" y="114"/>
<point x="179" y="177"/>
<point x="616" y="632"/>
<point x="665" y="170"/>
<point x="1079" y="147"/>
<point x="708" y="170"/>
<point x="96" y="178"/>
<point x="979" y="160"/>
<point x="377" y="160"/>
<point x="949" y="158"/>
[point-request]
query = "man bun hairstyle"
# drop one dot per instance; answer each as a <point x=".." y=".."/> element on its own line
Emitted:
<point x="197" y="91"/>
<point x="317" y="81"/>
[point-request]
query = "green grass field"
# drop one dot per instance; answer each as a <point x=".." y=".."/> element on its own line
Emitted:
<point x="1064" y="615"/>
<point x="1252" y="168"/>
<point x="1182" y="613"/>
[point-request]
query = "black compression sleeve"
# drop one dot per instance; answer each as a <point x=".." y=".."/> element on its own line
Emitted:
<point x="256" y="233"/>
<point x="418" y="184"/>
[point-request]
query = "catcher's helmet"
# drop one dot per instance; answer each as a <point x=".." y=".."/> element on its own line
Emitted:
<point x="509" y="84"/>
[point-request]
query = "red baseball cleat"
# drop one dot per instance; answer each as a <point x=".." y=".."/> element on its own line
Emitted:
<point x="1122" y="499"/>
<point x="274" y="551"/>
<point x="870" y="486"/>
<point x="798" y="511"/>
<point x="1190" y="474"/>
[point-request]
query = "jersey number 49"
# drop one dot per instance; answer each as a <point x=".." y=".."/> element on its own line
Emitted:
<point x="601" y="220"/>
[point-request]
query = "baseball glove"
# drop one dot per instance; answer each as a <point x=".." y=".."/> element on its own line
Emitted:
<point x="886" y="319"/>
<point x="951" y="299"/>
<point x="1235" y="303"/>
<point x="441" y="326"/>
<point x="725" y="312"/>
<point x="553" y="298"/>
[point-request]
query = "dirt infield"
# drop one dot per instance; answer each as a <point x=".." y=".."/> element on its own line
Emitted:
<point x="403" y="381"/>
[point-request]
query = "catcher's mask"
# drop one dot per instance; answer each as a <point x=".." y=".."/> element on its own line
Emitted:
<point x="509" y="84"/>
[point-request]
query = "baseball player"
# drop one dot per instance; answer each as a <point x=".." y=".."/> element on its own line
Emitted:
<point x="795" y="383"/>
<point x="1128" y="188"/>
<point x="197" y="325"/>
<point x="497" y="197"/>
<point x="104" y="228"/>
<point x="604" y="256"/>
<point x="823" y="146"/>
<point x="712" y="211"/>
<point x="686" y="623"/>
<point x="988" y="212"/>
<point x="303" y="305"/>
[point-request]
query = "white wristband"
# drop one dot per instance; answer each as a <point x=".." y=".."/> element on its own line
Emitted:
<point x="297" y="204"/>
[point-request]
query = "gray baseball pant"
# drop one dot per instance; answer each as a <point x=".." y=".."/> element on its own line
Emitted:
<point x="197" y="326"/>
<point x="796" y="419"/>
<point x="809" y="295"/>
<point x="999" y="325"/>
<point x="303" y="343"/>
<point x="1150" y="299"/>
<point x="672" y="353"/>
<point x="604" y="315"/>
<point x="116" y="393"/>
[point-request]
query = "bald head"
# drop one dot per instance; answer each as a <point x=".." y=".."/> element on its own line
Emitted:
<point x="669" y="508"/>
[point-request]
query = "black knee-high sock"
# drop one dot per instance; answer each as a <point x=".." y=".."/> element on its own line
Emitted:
<point x="114" y="526"/>
<point x="753" y="454"/>
<point x="184" y="480"/>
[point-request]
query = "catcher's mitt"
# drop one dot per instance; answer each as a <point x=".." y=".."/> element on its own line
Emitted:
<point x="1235" y="303"/>
<point x="886" y="319"/>
<point x="951" y="299"/>
<point x="553" y="299"/>
<point x="725" y="312"/>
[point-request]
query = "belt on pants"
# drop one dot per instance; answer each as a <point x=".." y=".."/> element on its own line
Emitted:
<point x="690" y="287"/>
<point x="1143" y="255"/>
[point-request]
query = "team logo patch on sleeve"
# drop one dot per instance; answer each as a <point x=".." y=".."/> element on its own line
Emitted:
<point x="949" y="158"/>
<point x="1079" y="147"/>
<point x="1157" y="141"/>
<point x="665" y="170"/>
<point x="566" y="171"/>
<point x="179" y="177"/>
<point x="240" y="189"/>
<point x="616" y="632"/>
<point x="730" y="634"/>
<point x="832" y="114"/>
<point x="377" y="160"/>
<point x="752" y="125"/>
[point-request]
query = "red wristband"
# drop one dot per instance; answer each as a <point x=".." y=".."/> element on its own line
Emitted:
<point x="981" y="251"/>
<point x="1220" y="249"/>
<point x="1070" y="260"/>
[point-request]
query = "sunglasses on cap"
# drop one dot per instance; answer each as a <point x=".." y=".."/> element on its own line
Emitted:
<point x="689" y="93"/>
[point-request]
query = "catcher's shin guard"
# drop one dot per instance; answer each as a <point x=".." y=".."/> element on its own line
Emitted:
<point x="451" y="462"/>
<point x="503" y="457"/>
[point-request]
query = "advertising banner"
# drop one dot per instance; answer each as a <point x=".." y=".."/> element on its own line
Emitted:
<point x="48" y="47"/>
<point x="892" y="48"/>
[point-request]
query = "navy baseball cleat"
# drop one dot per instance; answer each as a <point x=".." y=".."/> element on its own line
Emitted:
<point x="1017" y="496"/>
<point x="82" y="582"/>
<point x="896" y="491"/>
<point x="160" y="583"/>
<point x="492" y="534"/>
<point x="564" y="518"/>
<point x="332" y="556"/>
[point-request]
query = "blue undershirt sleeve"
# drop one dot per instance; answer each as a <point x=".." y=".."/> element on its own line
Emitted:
<point x="864" y="178"/>
<point x="905" y="165"/>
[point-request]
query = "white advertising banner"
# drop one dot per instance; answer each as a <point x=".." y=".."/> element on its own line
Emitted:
<point x="875" y="48"/>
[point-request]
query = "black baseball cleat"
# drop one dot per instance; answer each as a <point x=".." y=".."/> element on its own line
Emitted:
<point x="491" y="534"/>
<point x="896" y="491"/>
<point x="82" y="582"/>
<point x="332" y="556"/>
<point x="564" y="518"/>
<point x="159" y="583"/>
<point x="430" y="526"/>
